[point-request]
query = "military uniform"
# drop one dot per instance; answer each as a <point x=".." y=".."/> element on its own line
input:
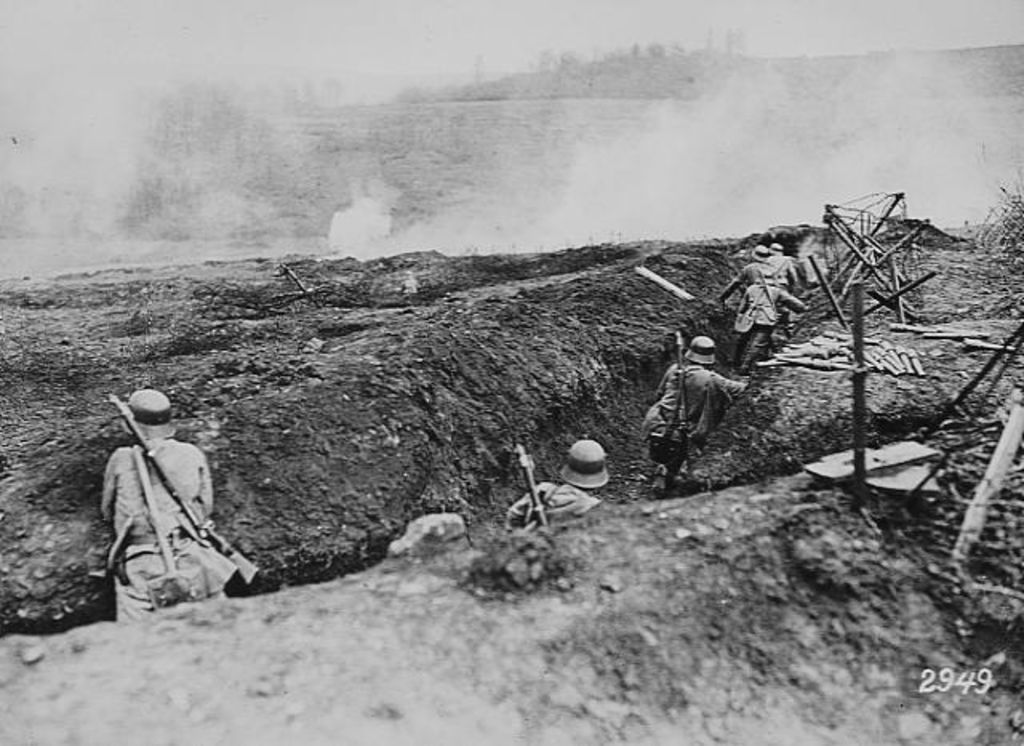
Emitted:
<point x="751" y="274"/>
<point x="758" y="315"/>
<point x="708" y="396"/>
<point x="135" y="555"/>
<point x="584" y="469"/>
<point x="561" y="502"/>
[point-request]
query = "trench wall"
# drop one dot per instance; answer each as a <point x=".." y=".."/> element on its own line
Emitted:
<point x="320" y="463"/>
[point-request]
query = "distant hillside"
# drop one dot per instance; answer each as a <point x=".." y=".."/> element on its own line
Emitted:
<point x="659" y="73"/>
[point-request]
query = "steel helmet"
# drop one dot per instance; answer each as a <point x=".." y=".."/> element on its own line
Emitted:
<point x="762" y="252"/>
<point x="152" y="412"/>
<point x="702" y="350"/>
<point x="585" y="465"/>
<point x="777" y="247"/>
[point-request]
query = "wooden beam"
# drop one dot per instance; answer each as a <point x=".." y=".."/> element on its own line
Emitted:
<point x="905" y="289"/>
<point x="663" y="283"/>
<point x="992" y="483"/>
<point x="860" y="488"/>
<point x="828" y="290"/>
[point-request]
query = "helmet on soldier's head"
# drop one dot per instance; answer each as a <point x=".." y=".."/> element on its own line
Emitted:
<point x="152" y="413"/>
<point x="702" y="350"/>
<point x="776" y="247"/>
<point x="585" y="465"/>
<point x="761" y="251"/>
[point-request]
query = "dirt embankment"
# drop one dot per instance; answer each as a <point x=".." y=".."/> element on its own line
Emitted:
<point x="768" y="613"/>
<point x="328" y="427"/>
<point x="763" y="614"/>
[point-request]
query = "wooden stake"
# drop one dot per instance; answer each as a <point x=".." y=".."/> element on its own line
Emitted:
<point x="901" y="314"/>
<point x="991" y="484"/>
<point x="859" y="406"/>
<point x="828" y="291"/>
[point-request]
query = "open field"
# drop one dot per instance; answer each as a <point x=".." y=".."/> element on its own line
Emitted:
<point x="514" y="176"/>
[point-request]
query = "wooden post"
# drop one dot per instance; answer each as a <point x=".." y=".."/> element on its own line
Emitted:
<point x="992" y="482"/>
<point x="828" y="290"/>
<point x="901" y="314"/>
<point x="859" y="406"/>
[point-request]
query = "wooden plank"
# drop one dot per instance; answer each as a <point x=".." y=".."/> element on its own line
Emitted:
<point x="977" y="344"/>
<point x="905" y="479"/>
<point x="992" y="483"/>
<point x="663" y="283"/>
<point x="955" y="335"/>
<point x="839" y="466"/>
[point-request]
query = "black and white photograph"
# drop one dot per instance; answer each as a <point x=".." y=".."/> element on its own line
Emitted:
<point x="527" y="373"/>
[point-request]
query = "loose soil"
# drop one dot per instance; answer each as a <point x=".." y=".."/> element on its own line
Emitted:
<point x="767" y="611"/>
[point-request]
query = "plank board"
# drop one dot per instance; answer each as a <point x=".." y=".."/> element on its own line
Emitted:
<point x="839" y="466"/>
<point x="904" y="479"/>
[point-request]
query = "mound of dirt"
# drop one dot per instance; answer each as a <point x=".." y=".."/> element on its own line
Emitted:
<point x="770" y="612"/>
<point x="329" y="426"/>
<point x="322" y="453"/>
<point x="756" y="615"/>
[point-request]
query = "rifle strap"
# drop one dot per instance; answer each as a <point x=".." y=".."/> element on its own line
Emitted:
<point x="182" y="515"/>
<point x="149" y="499"/>
<point x="188" y="528"/>
<point x="768" y="294"/>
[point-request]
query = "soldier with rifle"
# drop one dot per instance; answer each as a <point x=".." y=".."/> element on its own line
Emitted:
<point x="691" y="400"/>
<point x="547" y="502"/>
<point x="159" y="496"/>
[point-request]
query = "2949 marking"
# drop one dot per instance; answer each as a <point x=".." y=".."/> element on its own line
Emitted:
<point x="946" y="679"/>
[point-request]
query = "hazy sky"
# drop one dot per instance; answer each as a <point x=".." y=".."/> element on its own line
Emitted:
<point x="128" y="38"/>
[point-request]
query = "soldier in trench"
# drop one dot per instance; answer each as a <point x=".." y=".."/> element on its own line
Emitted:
<point x="135" y="557"/>
<point x="759" y="267"/>
<point x="707" y="396"/>
<point x="763" y="308"/>
<point x="585" y="469"/>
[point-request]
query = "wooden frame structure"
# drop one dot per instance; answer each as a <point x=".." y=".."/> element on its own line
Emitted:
<point x="866" y="255"/>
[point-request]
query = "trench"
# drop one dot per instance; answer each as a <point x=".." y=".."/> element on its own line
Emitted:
<point x="417" y="411"/>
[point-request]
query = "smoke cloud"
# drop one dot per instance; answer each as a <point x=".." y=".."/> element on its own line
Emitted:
<point x="134" y="169"/>
<point x="766" y="151"/>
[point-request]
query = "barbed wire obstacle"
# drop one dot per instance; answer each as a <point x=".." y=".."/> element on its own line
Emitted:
<point x="863" y="248"/>
<point x="1003" y="229"/>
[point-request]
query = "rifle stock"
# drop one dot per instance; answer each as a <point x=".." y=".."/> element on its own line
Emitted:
<point x="204" y="531"/>
<point x="536" y="510"/>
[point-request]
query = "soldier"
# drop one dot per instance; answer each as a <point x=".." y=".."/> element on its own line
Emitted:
<point x="707" y="395"/>
<point x="784" y="268"/>
<point x="130" y="487"/>
<point x="760" y="267"/>
<point x="584" y="470"/>
<point x="759" y="313"/>
<point x="787" y="275"/>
